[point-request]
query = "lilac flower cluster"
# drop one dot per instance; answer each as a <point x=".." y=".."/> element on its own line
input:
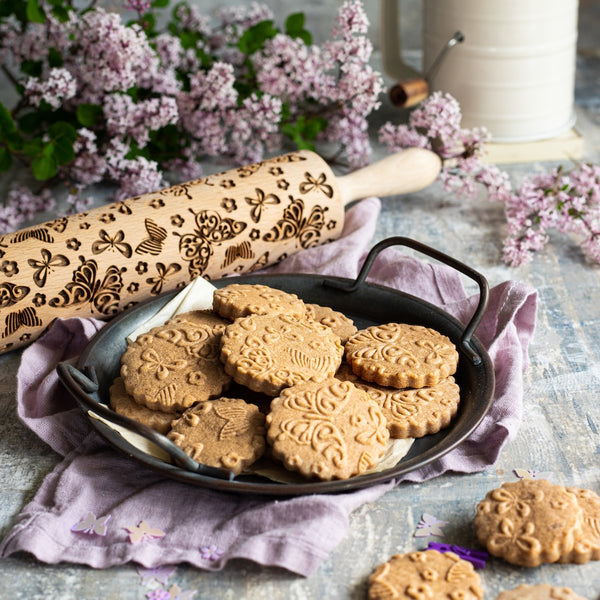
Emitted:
<point x="336" y="79"/>
<point x="144" y="102"/>
<point x="568" y="202"/>
<point x="436" y="124"/>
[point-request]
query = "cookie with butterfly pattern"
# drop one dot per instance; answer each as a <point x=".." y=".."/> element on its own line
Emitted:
<point x="541" y="591"/>
<point x="529" y="522"/>
<point x="587" y="542"/>
<point x="425" y="574"/>
<point x="226" y="433"/>
<point x="175" y="365"/>
<point x="268" y="353"/>
<point x="411" y="412"/>
<point x="326" y="430"/>
<point x="121" y="402"/>
<point x="401" y="355"/>
<point x="240" y="300"/>
<point x="340" y="324"/>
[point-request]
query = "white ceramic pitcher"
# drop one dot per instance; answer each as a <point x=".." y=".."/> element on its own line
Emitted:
<point x="513" y="73"/>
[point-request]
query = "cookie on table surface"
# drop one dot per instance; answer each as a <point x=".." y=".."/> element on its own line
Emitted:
<point x="225" y="433"/>
<point x="587" y="542"/>
<point x="401" y="356"/>
<point x="268" y="353"/>
<point x="337" y="321"/>
<point x="244" y="299"/>
<point x="328" y="429"/>
<point x="528" y="522"/>
<point x="121" y="402"/>
<point x="542" y="591"/>
<point x="411" y="412"/>
<point x="175" y="365"/>
<point x="425" y="574"/>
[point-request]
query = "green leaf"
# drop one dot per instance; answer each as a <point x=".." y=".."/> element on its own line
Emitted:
<point x="32" y="68"/>
<point x="35" y="13"/>
<point x="33" y="147"/>
<point x="44" y="167"/>
<point x="61" y="13"/>
<point x="63" y="151"/>
<point x="160" y="3"/>
<point x="30" y="122"/>
<point x="55" y="58"/>
<point x="88" y="115"/>
<point x="254" y="37"/>
<point x="313" y="127"/>
<point x="7" y="124"/>
<point x="62" y="129"/>
<point x="5" y="159"/>
<point x="294" y="27"/>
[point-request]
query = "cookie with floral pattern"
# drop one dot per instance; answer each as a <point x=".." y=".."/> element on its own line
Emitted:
<point x="529" y="522"/>
<point x="339" y="323"/>
<point x="268" y="353"/>
<point x="326" y="430"/>
<point x="411" y="412"/>
<point x="176" y="365"/>
<point x="428" y="574"/>
<point x="587" y="543"/>
<point x="243" y="299"/>
<point x="122" y="403"/>
<point x="401" y="355"/>
<point x="226" y="433"/>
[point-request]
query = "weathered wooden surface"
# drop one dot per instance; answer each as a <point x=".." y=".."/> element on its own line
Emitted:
<point x="560" y="432"/>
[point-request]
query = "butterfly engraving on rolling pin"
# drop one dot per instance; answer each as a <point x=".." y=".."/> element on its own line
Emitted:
<point x="112" y="242"/>
<point x="43" y="267"/>
<point x="294" y="224"/>
<point x="211" y="230"/>
<point x="87" y="286"/>
<point x="153" y="244"/>
<point x="242" y="251"/>
<point x="26" y="317"/>
<point x="11" y="293"/>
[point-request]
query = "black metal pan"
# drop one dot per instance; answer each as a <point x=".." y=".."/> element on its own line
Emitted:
<point x="367" y="304"/>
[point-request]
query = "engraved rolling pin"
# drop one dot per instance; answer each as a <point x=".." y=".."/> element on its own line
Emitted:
<point x="100" y="262"/>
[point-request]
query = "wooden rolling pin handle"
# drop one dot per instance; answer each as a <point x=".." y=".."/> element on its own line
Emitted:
<point x="408" y="171"/>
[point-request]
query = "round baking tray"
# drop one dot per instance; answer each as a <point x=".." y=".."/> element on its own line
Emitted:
<point x="367" y="304"/>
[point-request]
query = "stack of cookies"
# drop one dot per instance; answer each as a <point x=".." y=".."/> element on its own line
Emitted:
<point x="331" y="396"/>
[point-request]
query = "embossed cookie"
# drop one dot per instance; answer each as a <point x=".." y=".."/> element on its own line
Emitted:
<point x="121" y="402"/>
<point x="173" y="366"/>
<point x="542" y="591"/>
<point x="411" y="412"/>
<point x="587" y="543"/>
<point x="226" y="433"/>
<point x="337" y="321"/>
<point x="528" y="522"/>
<point x="426" y="574"/>
<point x="243" y="299"/>
<point x="328" y="429"/>
<point x="400" y="355"/>
<point x="268" y="353"/>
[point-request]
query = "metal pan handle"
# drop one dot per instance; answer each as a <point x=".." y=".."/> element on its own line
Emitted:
<point x="84" y="388"/>
<point x="465" y="340"/>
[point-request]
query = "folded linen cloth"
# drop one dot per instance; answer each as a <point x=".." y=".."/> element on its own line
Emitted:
<point x="100" y="508"/>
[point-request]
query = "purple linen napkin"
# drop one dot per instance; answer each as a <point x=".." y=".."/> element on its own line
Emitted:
<point x="126" y="512"/>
